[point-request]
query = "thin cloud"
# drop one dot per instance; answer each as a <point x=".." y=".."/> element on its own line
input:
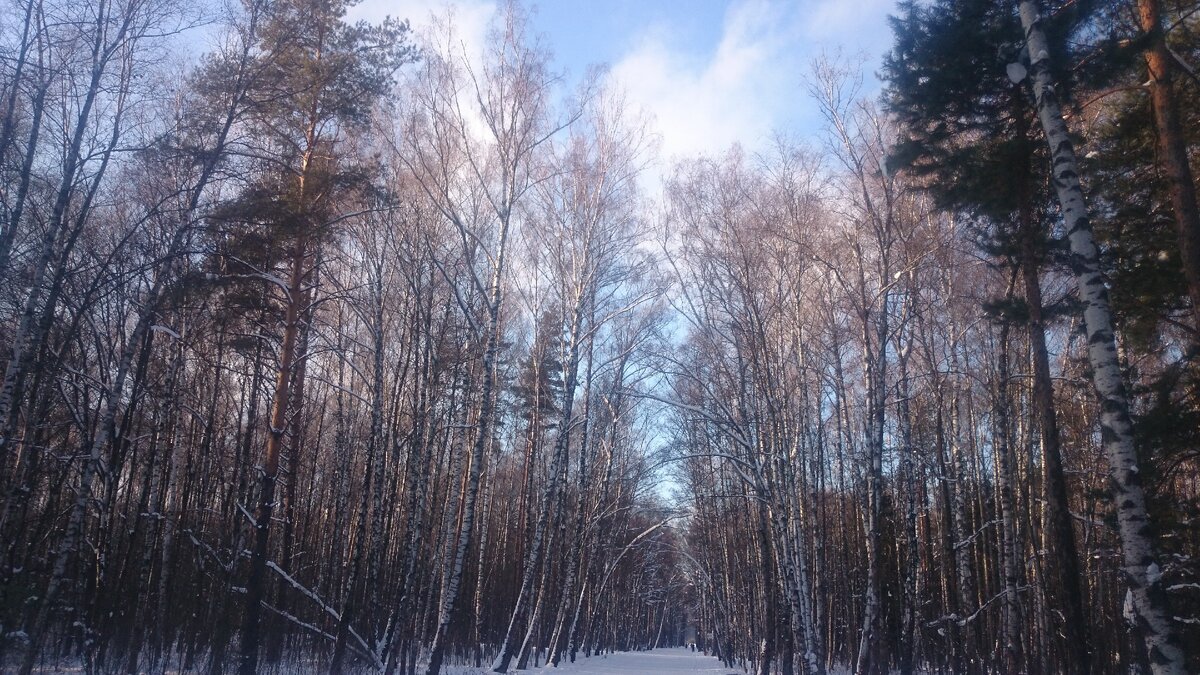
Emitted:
<point x="701" y="98"/>
<point x="470" y="19"/>
<point x="735" y="95"/>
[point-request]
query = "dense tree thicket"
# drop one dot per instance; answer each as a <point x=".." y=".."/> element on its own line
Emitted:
<point x="318" y="351"/>
<point x="939" y="387"/>
<point x="345" y="349"/>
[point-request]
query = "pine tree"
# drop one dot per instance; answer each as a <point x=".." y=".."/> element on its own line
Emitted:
<point x="968" y="133"/>
<point x="318" y="78"/>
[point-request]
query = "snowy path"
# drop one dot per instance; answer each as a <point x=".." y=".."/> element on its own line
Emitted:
<point x="677" y="660"/>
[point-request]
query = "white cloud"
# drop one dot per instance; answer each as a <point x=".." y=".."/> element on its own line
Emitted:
<point x="451" y="29"/>
<point x="734" y="95"/>
<point x="702" y="98"/>
<point x="859" y="25"/>
<point x="752" y="83"/>
<point x="428" y="18"/>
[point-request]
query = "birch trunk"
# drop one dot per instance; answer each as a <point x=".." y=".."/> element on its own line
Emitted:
<point x="876" y="364"/>
<point x="486" y="420"/>
<point x="549" y="496"/>
<point x="1010" y="547"/>
<point x="1141" y="567"/>
<point x="911" y="607"/>
<point x="576" y="546"/>
<point x="419" y="461"/>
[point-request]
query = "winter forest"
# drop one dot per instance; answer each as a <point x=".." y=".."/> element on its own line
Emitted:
<point x="338" y="346"/>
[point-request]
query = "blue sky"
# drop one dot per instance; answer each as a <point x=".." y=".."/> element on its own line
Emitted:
<point x="706" y="73"/>
<point x="709" y="73"/>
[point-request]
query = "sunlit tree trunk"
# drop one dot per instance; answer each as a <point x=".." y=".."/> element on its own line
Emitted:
<point x="1142" y="571"/>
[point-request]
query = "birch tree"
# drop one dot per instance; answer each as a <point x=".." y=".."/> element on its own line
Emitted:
<point x="1141" y="568"/>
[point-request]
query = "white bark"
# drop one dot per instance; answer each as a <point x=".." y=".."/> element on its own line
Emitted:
<point x="1149" y="600"/>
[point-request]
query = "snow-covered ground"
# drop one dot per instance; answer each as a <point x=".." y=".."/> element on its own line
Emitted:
<point x="653" y="662"/>
<point x="677" y="660"/>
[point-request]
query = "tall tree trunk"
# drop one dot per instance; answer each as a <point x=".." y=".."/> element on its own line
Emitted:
<point x="418" y="461"/>
<point x="875" y="360"/>
<point x="371" y="489"/>
<point x="1010" y="549"/>
<point x="1065" y="589"/>
<point x="486" y="420"/>
<point x="1141" y="567"/>
<point x="1172" y="148"/>
<point x="256" y="584"/>
<point x="550" y="495"/>
<point x="576" y="548"/>
<point x="912" y="601"/>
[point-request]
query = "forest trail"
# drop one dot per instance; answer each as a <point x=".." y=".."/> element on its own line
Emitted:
<point x="673" y="660"/>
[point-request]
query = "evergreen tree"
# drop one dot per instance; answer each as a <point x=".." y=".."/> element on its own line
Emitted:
<point x="969" y="132"/>
<point x="319" y="78"/>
